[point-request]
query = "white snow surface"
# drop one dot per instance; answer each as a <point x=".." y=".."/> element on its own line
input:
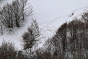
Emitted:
<point x="46" y="10"/>
<point x="50" y="14"/>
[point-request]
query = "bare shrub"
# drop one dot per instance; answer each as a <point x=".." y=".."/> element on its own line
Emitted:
<point x="7" y="51"/>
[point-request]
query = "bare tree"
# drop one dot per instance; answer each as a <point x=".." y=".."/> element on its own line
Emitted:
<point x="30" y="36"/>
<point x="13" y="15"/>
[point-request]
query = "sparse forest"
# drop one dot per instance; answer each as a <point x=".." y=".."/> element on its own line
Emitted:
<point x="14" y="14"/>
<point x="69" y="42"/>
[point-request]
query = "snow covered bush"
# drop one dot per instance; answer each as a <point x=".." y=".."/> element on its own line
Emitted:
<point x="29" y="37"/>
<point x="14" y="14"/>
<point x="35" y="29"/>
<point x="85" y="16"/>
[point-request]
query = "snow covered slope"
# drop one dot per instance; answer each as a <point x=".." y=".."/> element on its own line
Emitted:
<point x="47" y="31"/>
<point x="50" y="14"/>
<point x="46" y="10"/>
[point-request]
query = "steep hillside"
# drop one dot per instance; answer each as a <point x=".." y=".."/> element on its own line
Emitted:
<point x="52" y="29"/>
<point x="49" y="30"/>
<point x="50" y="15"/>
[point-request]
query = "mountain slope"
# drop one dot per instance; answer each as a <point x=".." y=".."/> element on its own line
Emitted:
<point x="50" y="15"/>
<point x="47" y="31"/>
